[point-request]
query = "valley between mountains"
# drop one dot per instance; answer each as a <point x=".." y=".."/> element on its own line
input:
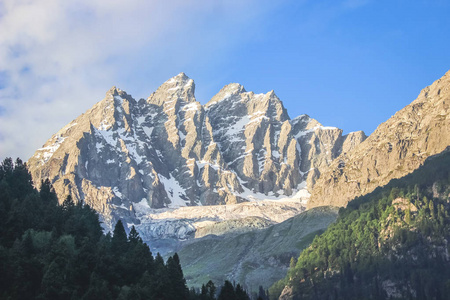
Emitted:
<point x="234" y="181"/>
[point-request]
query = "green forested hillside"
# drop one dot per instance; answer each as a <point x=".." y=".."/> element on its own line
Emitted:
<point x="52" y="251"/>
<point x="391" y="243"/>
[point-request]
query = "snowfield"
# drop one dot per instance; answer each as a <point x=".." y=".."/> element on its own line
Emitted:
<point x="189" y="219"/>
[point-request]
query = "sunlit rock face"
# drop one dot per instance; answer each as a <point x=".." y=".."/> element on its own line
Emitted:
<point x="397" y="147"/>
<point x="126" y="158"/>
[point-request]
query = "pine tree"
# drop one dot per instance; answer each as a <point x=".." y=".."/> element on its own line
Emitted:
<point x="6" y="168"/>
<point x="21" y="179"/>
<point x="227" y="292"/>
<point x="262" y="294"/>
<point x="134" y="237"/>
<point x="176" y="278"/>
<point x="47" y="193"/>
<point x="241" y="294"/>
<point x="160" y="283"/>
<point x="292" y="263"/>
<point x="203" y="293"/>
<point x="119" y="239"/>
<point x="211" y="290"/>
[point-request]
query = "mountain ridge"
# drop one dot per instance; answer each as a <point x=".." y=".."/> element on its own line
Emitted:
<point x="168" y="150"/>
<point x="397" y="147"/>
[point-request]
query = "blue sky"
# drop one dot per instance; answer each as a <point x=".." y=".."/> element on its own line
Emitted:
<point x="350" y="63"/>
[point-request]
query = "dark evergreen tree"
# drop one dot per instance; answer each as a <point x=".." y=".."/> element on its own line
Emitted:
<point x="210" y="290"/>
<point x="139" y="259"/>
<point x="262" y="294"/>
<point x="6" y="169"/>
<point x="178" y="286"/>
<point x="119" y="241"/>
<point x="133" y="236"/>
<point x="203" y="293"/>
<point x="21" y="179"/>
<point x="194" y="294"/>
<point x="160" y="284"/>
<point x="240" y="293"/>
<point x="47" y="193"/>
<point x="227" y="292"/>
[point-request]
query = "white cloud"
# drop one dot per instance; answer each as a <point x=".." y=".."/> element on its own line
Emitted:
<point x="60" y="57"/>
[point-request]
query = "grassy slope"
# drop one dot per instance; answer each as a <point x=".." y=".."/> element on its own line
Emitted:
<point x="254" y="258"/>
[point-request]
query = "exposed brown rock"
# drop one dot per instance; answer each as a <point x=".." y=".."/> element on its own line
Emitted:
<point x="396" y="148"/>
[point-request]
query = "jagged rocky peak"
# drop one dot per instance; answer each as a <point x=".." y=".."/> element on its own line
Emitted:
<point x="228" y="91"/>
<point x="319" y="145"/>
<point x="254" y="139"/>
<point x="114" y="109"/>
<point x="235" y="97"/>
<point x="124" y="157"/>
<point x="117" y="95"/>
<point x="397" y="147"/>
<point x="179" y="87"/>
<point x="305" y="122"/>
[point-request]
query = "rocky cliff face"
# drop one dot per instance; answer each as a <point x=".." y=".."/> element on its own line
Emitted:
<point x="170" y="151"/>
<point x="396" y="148"/>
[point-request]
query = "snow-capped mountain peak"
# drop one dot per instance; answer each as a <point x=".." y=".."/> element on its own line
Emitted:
<point x="125" y="156"/>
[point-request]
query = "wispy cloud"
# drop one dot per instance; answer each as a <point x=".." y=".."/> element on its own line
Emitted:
<point x="57" y="56"/>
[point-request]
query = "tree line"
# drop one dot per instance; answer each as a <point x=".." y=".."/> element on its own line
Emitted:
<point x="50" y="250"/>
